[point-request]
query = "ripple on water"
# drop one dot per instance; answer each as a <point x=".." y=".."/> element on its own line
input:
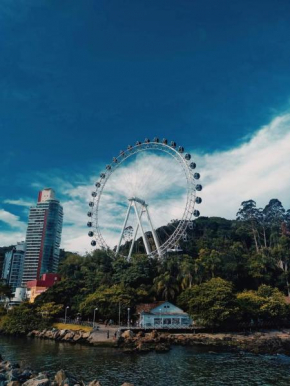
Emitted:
<point x="181" y="366"/>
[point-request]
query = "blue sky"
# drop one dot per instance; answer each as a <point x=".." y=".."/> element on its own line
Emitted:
<point x="82" y="79"/>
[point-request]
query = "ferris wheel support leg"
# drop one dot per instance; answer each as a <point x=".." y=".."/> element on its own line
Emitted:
<point x="134" y="238"/>
<point x="155" y="237"/>
<point x="146" y="244"/>
<point x="124" y="225"/>
<point x="133" y="241"/>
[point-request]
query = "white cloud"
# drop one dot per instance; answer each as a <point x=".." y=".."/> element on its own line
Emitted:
<point x="258" y="168"/>
<point x="11" y="219"/>
<point x="19" y="202"/>
<point x="17" y="233"/>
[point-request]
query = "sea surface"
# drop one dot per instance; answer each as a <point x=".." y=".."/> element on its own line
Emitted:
<point x="181" y="366"/>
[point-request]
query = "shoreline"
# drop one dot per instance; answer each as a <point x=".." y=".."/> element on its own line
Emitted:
<point x="258" y="342"/>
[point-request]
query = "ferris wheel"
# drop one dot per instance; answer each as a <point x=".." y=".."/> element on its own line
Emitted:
<point x="140" y="211"/>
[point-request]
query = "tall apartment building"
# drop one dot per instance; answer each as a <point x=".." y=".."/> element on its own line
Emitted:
<point x="13" y="266"/>
<point x="43" y="237"/>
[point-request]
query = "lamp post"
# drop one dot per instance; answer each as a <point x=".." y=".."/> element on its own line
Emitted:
<point x="96" y="309"/>
<point x="119" y="314"/>
<point x="66" y="308"/>
<point x="128" y="317"/>
<point x="160" y="317"/>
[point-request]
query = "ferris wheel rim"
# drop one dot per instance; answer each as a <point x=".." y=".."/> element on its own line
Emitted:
<point x="117" y="162"/>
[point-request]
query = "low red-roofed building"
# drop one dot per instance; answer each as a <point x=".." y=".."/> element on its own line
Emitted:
<point x="38" y="286"/>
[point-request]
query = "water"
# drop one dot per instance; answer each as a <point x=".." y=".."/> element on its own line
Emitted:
<point x="181" y="366"/>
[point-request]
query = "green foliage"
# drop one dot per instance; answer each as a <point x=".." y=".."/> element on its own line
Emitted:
<point x="222" y="258"/>
<point x="211" y="303"/>
<point x="22" y="319"/>
<point x="5" y="290"/>
<point x="265" y="304"/>
<point x="48" y="310"/>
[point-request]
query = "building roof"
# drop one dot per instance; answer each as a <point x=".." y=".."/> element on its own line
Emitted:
<point x="47" y="280"/>
<point x="147" y="307"/>
<point x="155" y="309"/>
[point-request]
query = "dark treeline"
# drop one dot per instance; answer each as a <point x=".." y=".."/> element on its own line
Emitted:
<point x="229" y="271"/>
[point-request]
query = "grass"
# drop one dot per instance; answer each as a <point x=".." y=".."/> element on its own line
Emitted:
<point x="74" y="327"/>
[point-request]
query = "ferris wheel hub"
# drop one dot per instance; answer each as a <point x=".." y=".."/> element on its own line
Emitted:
<point x="136" y="199"/>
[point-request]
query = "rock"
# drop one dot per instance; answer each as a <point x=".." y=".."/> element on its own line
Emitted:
<point x="37" y="382"/>
<point x="128" y="334"/>
<point x="14" y="375"/>
<point x="143" y="347"/>
<point x="94" y="383"/>
<point x="25" y="375"/>
<point x="65" y="378"/>
<point x="60" y="376"/>
<point x="161" y="347"/>
<point x="77" y="337"/>
<point x="13" y="383"/>
<point x="68" y="336"/>
<point x="152" y="335"/>
<point x="40" y="376"/>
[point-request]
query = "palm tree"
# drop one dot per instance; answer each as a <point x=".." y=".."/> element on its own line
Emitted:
<point x="167" y="286"/>
<point x="186" y="272"/>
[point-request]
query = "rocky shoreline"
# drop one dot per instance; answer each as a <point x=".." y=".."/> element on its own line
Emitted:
<point x="12" y="375"/>
<point x="270" y="342"/>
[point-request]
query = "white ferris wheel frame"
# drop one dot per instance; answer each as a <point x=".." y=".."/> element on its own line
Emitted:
<point x="190" y="201"/>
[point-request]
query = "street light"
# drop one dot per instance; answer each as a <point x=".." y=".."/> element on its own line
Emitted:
<point x="66" y="308"/>
<point x="96" y="309"/>
<point x="160" y="317"/>
<point x="128" y="317"/>
<point x="119" y="314"/>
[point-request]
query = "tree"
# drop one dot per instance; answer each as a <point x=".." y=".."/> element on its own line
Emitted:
<point x="22" y="319"/>
<point x="5" y="292"/>
<point x="249" y="214"/>
<point x="281" y="252"/>
<point x="107" y="301"/>
<point x="265" y="304"/>
<point x="49" y="310"/>
<point x="210" y="260"/>
<point x="212" y="303"/>
<point x="186" y="275"/>
<point x="166" y="286"/>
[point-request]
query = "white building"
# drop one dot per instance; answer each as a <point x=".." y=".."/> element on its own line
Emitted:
<point x="162" y="315"/>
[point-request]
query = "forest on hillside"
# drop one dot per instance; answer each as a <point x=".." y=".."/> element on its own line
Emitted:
<point x="229" y="271"/>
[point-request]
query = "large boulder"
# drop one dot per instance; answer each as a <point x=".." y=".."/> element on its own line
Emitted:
<point x="128" y="334"/>
<point x="127" y="384"/>
<point x="14" y="374"/>
<point x="13" y="383"/>
<point x="69" y="336"/>
<point x="37" y="382"/>
<point x="153" y="335"/>
<point x="65" y="378"/>
<point x="85" y="335"/>
<point x="94" y="383"/>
